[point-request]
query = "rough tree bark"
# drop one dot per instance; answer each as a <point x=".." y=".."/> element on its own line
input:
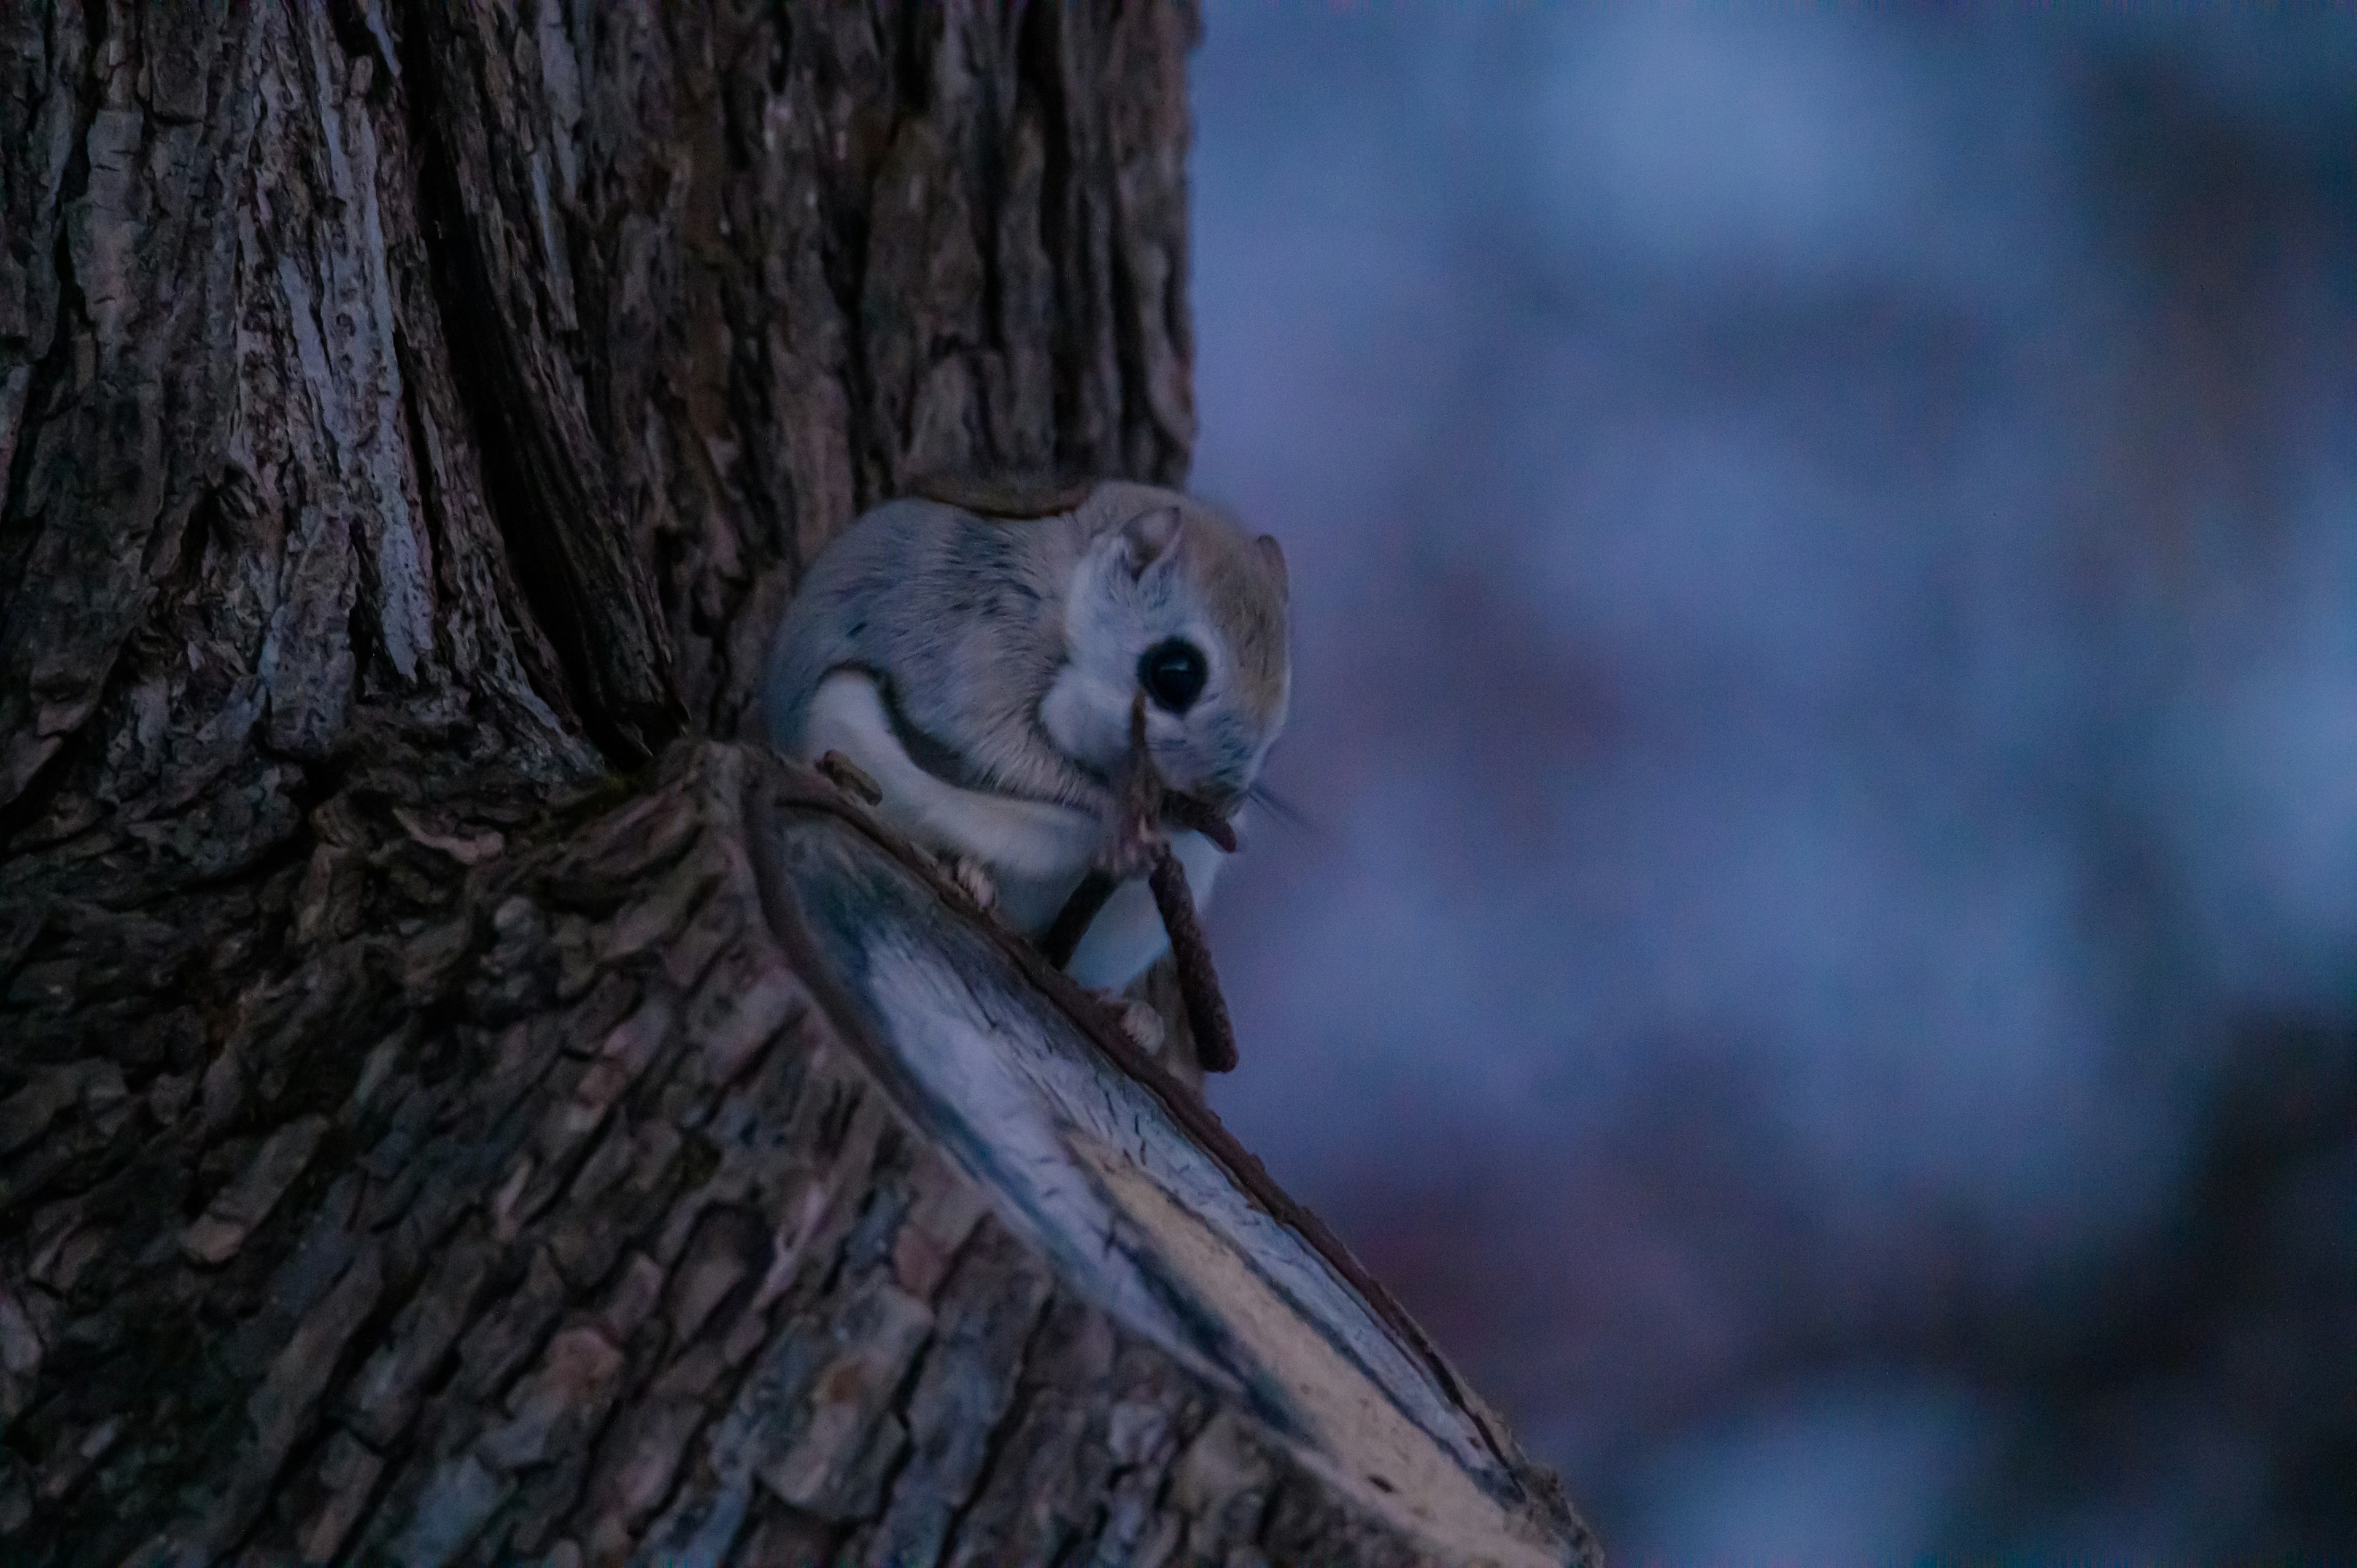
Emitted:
<point x="448" y="1108"/>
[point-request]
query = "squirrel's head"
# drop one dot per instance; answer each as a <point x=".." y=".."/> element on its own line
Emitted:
<point x="1173" y="601"/>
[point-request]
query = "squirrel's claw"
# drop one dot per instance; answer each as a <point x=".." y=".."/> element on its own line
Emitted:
<point x="973" y="879"/>
<point x="1139" y="1021"/>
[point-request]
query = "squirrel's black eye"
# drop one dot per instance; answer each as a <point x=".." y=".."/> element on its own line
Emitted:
<point x="1173" y="673"/>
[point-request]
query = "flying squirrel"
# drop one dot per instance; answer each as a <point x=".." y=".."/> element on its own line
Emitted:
<point x="984" y="652"/>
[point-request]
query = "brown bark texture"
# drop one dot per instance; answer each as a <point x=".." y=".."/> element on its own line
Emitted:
<point x="458" y="1104"/>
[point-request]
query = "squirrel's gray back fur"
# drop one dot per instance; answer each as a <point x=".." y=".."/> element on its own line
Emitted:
<point x="962" y="617"/>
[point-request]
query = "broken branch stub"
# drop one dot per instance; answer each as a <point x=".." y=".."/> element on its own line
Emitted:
<point x="1137" y="1200"/>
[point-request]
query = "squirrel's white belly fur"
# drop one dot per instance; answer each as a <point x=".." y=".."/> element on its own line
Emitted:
<point x="1036" y="852"/>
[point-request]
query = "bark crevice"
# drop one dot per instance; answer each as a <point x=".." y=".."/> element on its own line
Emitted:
<point x="545" y="510"/>
<point x="21" y="789"/>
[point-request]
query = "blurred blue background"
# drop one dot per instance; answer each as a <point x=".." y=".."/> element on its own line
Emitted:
<point x="1824" y="552"/>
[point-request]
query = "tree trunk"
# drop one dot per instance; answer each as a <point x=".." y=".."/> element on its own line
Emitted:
<point x="455" y="1105"/>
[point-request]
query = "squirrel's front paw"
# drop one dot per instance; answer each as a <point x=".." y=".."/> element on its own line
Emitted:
<point x="1138" y="1020"/>
<point x="973" y="878"/>
<point x="1128" y="850"/>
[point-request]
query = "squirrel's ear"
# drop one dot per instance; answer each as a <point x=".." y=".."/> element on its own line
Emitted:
<point x="1272" y="560"/>
<point x="1147" y="537"/>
